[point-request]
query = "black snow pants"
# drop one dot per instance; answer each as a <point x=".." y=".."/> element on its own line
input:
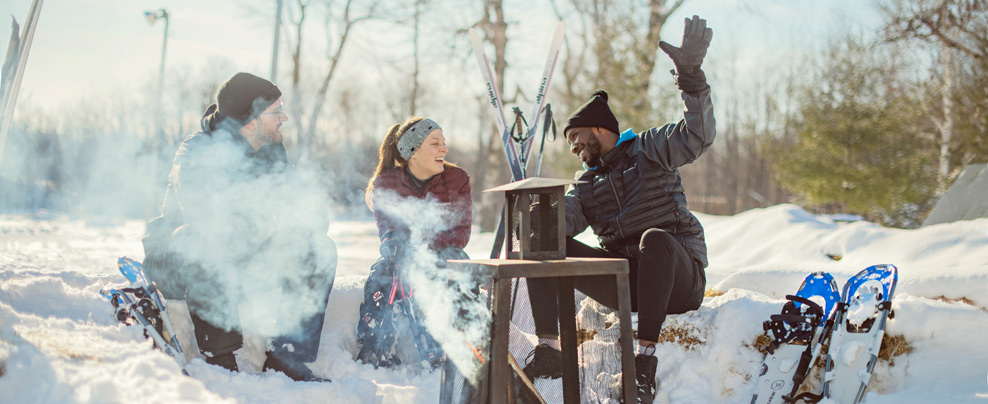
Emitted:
<point x="664" y="280"/>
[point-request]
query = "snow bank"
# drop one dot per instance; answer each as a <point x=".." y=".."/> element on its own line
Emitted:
<point x="59" y="342"/>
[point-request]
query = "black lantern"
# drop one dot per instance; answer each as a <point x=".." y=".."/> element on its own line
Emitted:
<point x="535" y="218"/>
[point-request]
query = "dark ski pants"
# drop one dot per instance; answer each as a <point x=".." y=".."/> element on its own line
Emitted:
<point x="664" y="280"/>
<point x="380" y="291"/>
<point x="303" y="346"/>
<point x="217" y="341"/>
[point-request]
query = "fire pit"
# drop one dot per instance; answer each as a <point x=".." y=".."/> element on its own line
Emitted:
<point x="536" y="248"/>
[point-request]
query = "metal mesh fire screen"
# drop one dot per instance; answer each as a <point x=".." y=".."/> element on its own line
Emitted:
<point x="598" y="348"/>
<point x="599" y="354"/>
<point x="541" y="209"/>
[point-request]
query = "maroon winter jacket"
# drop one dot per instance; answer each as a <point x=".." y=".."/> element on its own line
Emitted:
<point x="451" y="189"/>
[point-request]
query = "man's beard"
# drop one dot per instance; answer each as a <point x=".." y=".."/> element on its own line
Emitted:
<point x="592" y="148"/>
<point x="268" y="137"/>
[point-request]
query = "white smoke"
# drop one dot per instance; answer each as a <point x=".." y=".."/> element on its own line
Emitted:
<point x="455" y="316"/>
<point x="261" y="243"/>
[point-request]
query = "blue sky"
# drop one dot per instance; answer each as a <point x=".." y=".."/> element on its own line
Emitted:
<point x="83" y="46"/>
<point x="86" y="47"/>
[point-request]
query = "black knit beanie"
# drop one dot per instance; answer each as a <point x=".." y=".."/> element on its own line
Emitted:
<point x="244" y="96"/>
<point x="594" y="114"/>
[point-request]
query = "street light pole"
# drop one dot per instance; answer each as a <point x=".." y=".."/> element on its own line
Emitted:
<point x="156" y="138"/>
<point x="161" y="69"/>
<point x="274" y="51"/>
<point x="152" y="17"/>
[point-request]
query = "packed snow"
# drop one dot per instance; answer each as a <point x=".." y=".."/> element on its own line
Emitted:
<point x="59" y="341"/>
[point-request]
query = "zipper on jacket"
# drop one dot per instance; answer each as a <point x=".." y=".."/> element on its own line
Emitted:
<point x="617" y="200"/>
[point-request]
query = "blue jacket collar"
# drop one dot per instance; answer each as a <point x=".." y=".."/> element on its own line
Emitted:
<point x="627" y="135"/>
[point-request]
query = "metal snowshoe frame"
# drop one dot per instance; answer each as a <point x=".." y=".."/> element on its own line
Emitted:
<point x="797" y="332"/>
<point x="847" y="383"/>
<point x="377" y="346"/>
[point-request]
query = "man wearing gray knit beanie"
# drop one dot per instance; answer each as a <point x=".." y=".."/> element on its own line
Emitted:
<point x="239" y="228"/>
<point x="631" y="196"/>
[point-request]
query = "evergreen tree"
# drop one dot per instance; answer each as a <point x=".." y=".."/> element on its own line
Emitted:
<point x="860" y="141"/>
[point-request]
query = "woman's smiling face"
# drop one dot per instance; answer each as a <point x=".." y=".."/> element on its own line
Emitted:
<point x="429" y="159"/>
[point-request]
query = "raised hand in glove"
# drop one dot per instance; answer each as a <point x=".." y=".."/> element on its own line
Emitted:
<point x="689" y="56"/>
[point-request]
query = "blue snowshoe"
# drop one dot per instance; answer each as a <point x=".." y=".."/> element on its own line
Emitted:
<point x="142" y="304"/>
<point x="859" y="325"/>
<point x="797" y="334"/>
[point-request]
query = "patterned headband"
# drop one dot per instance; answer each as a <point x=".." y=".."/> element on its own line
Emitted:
<point x="414" y="136"/>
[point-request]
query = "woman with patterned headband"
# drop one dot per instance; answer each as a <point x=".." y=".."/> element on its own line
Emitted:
<point x="423" y="210"/>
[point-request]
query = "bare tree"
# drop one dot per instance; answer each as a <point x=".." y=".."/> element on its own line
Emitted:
<point x="957" y="24"/>
<point x="946" y="125"/>
<point x="624" y="49"/>
<point x="297" y="22"/>
<point x="407" y="100"/>
<point x="957" y="30"/>
<point x="414" y="93"/>
<point x="344" y="18"/>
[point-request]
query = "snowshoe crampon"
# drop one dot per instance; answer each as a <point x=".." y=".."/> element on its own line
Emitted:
<point x="796" y="339"/>
<point x="859" y="325"/>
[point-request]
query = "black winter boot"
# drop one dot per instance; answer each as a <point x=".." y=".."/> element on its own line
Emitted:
<point x="216" y="344"/>
<point x="227" y="361"/>
<point x="645" y="364"/>
<point x="296" y="370"/>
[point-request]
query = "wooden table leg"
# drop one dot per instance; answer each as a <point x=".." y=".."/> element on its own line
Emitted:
<point x="627" y="340"/>
<point x="499" y="351"/>
<point x="567" y="336"/>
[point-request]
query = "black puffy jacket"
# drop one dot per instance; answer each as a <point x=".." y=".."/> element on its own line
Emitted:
<point x="637" y="185"/>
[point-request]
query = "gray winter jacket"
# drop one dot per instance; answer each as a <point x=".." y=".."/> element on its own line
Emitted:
<point x="229" y="208"/>
<point x="637" y="186"/>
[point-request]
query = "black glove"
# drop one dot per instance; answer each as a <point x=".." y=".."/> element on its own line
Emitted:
<point x="383" y="267"/>
<point x="393" y="245"/>
<point x="689" y="57"/>
<point x="451" y="253"/>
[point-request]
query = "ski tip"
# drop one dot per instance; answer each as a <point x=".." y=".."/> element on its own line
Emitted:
<point x="475" y="38"/>
<point x="557" y="38"/>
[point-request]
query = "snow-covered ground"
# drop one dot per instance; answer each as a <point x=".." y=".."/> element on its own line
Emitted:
<point x="59" y="342"/>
